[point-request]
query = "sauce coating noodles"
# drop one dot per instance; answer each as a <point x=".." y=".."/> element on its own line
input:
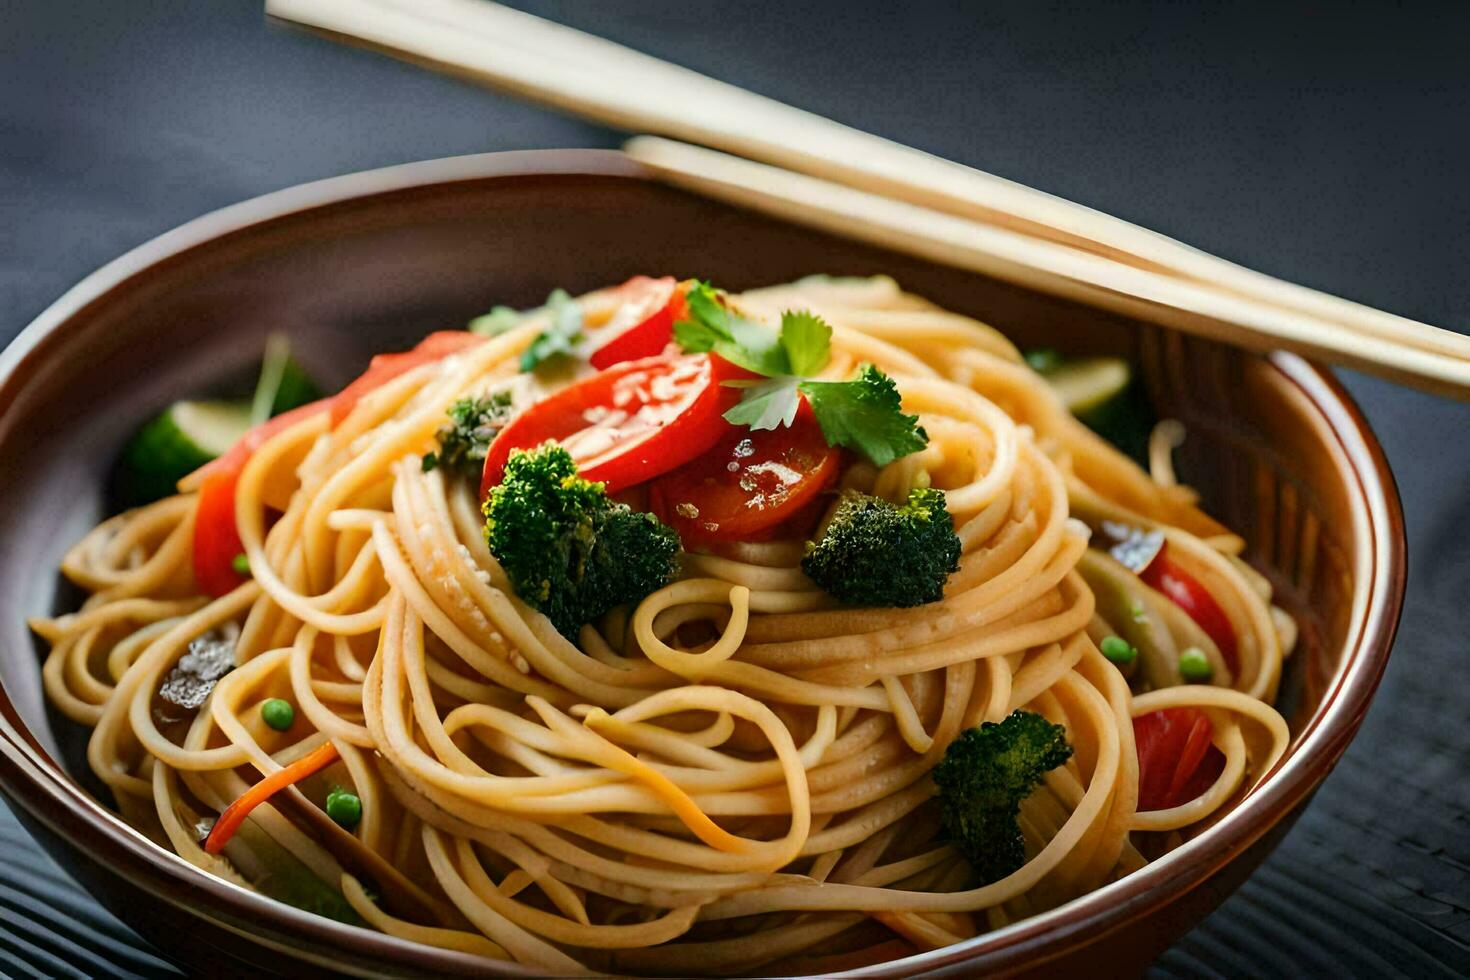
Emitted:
<point x="755" y="800"/>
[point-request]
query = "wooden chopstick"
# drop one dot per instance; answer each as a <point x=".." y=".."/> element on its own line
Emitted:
<point x="1004" y="254"/>
<point x="601" y="80"/>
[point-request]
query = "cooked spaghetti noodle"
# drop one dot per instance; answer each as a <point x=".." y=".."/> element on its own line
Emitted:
<point x="733" y="775"/>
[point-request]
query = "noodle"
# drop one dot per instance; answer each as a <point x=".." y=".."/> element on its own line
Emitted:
<point x="634" y="802"/>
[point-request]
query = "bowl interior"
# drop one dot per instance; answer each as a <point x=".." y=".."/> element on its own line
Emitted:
<point x="363" y="274"/>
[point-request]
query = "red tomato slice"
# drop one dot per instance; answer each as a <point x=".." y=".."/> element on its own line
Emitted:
<point x="1188" y="594"/>
<point x="216" y="538"/>
<point x="643" y="325"/>
<point x="750" y="484"/>
<point x="385" y="367"/>
<point x="630" y="423"/>
<point x="1176" y="760"/>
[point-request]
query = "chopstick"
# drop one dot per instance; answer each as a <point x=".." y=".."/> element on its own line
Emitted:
<point x="1014" y="257"/>
<point x="601" y="80"/>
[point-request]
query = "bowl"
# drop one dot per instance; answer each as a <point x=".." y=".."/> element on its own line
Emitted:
<point x="371" y="261"/>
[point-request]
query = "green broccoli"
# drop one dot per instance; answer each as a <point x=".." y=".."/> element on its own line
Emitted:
<point x="473" y="425"/>
<point x="876" y="554"/>
<point x="982" y="779"/>
<point x="568" y="550"/>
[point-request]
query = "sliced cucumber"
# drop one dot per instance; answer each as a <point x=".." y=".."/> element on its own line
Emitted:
<point x="186" y="436"/>
<point x="209" y="427"/>
<point x="1088" y="384"/>
<point x="1103" y="394"/>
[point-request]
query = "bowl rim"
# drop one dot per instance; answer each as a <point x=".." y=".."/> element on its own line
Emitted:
<point x="51" y="797"/>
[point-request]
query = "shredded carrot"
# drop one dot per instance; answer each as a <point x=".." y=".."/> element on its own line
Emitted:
<point x="235" y="814"/>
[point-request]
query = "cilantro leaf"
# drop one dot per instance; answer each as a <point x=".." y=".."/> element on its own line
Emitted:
<point x="865" y="414"/>
<point x="561" y="335"/>
<point x="712" y="327"/>
<point x="767" y="404"/>
<point x="499" y="320"/>
<point x="807" y="340"/>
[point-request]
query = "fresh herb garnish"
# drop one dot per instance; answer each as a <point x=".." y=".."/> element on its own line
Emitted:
<point x="863" y="414"/>
<point x="558" y="341"/>
<point x="767" y="404"/>
<point x="714" y="327"/>
<point x="499" y="320"/>
<point x="473" y="425"/>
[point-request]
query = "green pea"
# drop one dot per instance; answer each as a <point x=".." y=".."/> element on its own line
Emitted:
<point x="1194" y="666"/>
<point x="344" y="807"/>
<point x="241" y="564"/>
<point x="278" y="714"/>
<point x="1118" y="650"/>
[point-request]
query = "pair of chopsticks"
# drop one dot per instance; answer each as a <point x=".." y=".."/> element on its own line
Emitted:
<point x="818" y="172"/>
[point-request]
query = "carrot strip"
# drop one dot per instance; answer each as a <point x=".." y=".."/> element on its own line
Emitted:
<point x="235" y="814"/>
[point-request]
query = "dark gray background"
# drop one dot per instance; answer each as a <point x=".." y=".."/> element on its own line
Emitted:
<point x="1324" y="143"/>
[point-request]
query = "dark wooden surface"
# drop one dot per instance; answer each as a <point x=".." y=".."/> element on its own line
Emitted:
<point x="1326" y="145"/>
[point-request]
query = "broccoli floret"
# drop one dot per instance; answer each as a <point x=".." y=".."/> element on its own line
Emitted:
<point x="568" y="550"/>
<point x="982" y="779"/>
<point x="473" y="425"/>
<point x="876" y="554"/>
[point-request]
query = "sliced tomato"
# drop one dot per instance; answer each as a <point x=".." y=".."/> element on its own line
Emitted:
<point x="749" y="484"/>
<point x="643" y="325"/>
<point x="1186" y="592"/>
<point x="1176" y="760"/>
<point x="630" y="423"/>
<point x="385" y="367"/>
<point x="216" y="537"/>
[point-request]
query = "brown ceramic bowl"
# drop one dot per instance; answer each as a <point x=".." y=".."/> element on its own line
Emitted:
<point x="372" y="261"/>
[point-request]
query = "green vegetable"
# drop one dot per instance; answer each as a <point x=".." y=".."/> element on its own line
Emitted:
<point x="1117" y="592"/>
<point x="863" y="414"/>
<point x="1194" y="666"/>
<point x="713" y="327"/>
<point x="191" y="433"/>
<point x="241" y="564"/>
<point x="499" y="320"/>
<point x="569" y="550"/>
<point x="278" y="714"/>
<point x="1084" y="385"/>
<point x="875" y="554"/>
<point x="1043" y="360"/>
<point x="282" y="385"/>
<point x="557" y="343"/>
<point x="344" y="807"/>
<point x="1118" y="650"/>
<point x="982" y="779"/>
<point x="278" y="873"/>
<point x="767" y="404"/>
<point x="1103" y="394"/>
<point x="473" y="425"/>
<point x="185" y="437"/>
